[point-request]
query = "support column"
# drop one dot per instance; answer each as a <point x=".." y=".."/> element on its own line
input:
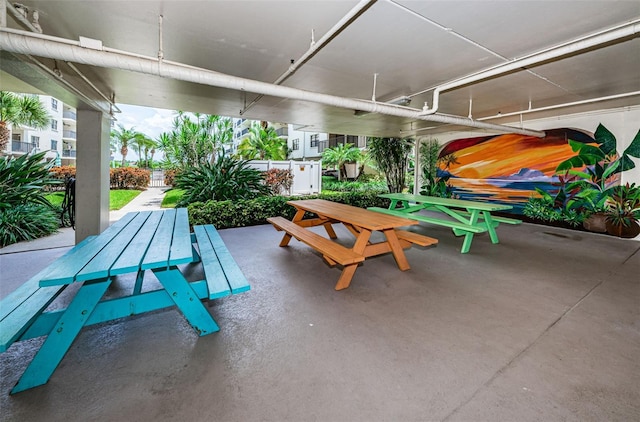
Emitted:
<point x="92" y="173"/>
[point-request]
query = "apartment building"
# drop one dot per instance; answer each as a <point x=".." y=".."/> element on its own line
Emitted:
<point x="58" y="139"/>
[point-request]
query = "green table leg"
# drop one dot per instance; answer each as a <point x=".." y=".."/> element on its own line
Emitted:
<point x="468" y="237"/>
<point x="491" y="227"/>
<point x="62" y="335"/>
<point x="187" y="301"/>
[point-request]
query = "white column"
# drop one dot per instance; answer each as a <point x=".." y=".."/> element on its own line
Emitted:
<point x="92" y="173"/>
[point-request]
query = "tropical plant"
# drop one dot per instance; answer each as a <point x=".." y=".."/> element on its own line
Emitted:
<point x="23" y="180"/>
<point x="225" y="179"/>
<point x="623" y="207"/>
<point x="143" y="144"/>
<point x="121" y="138"/>
<point x="263" y="143"/>
<point x="278" y="180"/>
<point x="195" y="139"/>
<point x="432" y="183"/>
<point x="27" y="222"/>
<point x="341" y="154"/>
<point x="596" y="168"/>
<point x="391" y="156"/>
<point x="20" y="110"/>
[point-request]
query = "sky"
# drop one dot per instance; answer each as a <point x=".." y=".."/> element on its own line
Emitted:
<point x="150" y="121"/>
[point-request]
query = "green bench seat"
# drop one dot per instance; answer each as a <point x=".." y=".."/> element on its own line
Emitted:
<point x="456" y="225"/>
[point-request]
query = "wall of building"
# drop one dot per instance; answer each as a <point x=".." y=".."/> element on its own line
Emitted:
<point x="623" y="123"/>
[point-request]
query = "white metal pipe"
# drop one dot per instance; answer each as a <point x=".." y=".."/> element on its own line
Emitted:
<point x="95" y="88"/>
<point x="21" y="18"/>
<point x="24" y="43"/>
<point x="555" y="106"/>
<point x="607" y="36"/>
<point x="315" y="47"/>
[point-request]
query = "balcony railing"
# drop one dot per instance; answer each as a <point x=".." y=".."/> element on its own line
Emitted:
<point x="69" y="115"/>
<point x="69" y="134"/>
<point x="69" y="153"/>
<point x="25" y="147"/>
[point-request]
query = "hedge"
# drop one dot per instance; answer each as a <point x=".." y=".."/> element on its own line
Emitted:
<point x="252" y="212"/>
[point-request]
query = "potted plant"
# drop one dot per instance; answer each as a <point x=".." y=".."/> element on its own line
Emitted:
<point x="623" y="211"/>
<point x="345" y="157"/>
<point x="596" y="169"/>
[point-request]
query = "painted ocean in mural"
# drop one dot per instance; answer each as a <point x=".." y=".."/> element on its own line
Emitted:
<point x="507" y="168"/>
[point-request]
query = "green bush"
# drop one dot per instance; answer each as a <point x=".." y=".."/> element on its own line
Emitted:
<point x="23" y="180"/>
<point x="27" y="222"/>
<point x="129" y="178"/>
<point x="241" y="213"/>
<point x="226" y="179"/>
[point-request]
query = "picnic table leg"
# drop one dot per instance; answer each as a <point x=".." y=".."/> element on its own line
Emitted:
<point x="62" y="335"/>
<point x="491" y="226"/>
<point x="187" y="301"/>
<point x="468" y="237"/>
<point x="347" y="272"/>
<point x="396" y="250"/>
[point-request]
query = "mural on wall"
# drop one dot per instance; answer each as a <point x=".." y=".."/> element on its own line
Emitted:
<point x="507" y="168"/>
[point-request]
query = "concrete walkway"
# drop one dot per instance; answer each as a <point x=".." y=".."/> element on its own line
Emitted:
<point x="150" y="199"/>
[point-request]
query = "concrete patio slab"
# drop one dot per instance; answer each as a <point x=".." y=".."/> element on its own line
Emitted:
<point x="543" y="326"/>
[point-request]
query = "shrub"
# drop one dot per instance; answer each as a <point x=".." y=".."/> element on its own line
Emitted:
<point x="27" y="222"/>
<point x="278" y="180"/>
<point x="61" y="173"/>
<point x="23" y="180"/>
<point x="129" y="178"/>
<point x="226" y="179"/>
<point x="241" y="213"/>
<point x="169" y="177"/>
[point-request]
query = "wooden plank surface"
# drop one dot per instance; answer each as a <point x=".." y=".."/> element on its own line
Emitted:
<point x="448" y="202"/>
<point x="100" y="265"/>
<point x="236" y="279"/>
<point x="131" y="258"/>
<point x="64" y="269"/>
<point x="158" y="254"/>
<point x="181" y="252"/>
<point x="216" y="279"/>
<point x="352" y="215"/>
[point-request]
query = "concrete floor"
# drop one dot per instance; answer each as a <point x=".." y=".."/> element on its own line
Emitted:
<point x="544" y="326"/>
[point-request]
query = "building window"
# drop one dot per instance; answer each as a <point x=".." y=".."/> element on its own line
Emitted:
<point x="296" y="144"/>
<point x="54" y="144"/>
<point x="54" y="124"/>
<point x="314" y="141"/>
<point x="35" y="141"/>
<point x="54" y="104"/>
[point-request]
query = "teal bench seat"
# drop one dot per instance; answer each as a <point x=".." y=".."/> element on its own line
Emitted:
<point x="22" y="307"/>
<point x="223" y="276"/>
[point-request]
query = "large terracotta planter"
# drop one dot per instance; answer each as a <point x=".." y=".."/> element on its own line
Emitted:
<point x="595" y="223"/>
<point x="623" y="231"/>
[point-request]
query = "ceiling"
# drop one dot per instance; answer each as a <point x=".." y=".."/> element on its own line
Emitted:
<point x="403" y="48"/>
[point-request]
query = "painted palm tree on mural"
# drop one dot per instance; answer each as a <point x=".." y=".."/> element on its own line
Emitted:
<point x="263" y="144"/>
<point x="20" y="110"/>
<point x="120" y="138"/>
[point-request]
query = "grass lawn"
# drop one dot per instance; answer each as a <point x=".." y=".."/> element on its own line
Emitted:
<point x="117" y="198"/>
<point x="171" y="198"/>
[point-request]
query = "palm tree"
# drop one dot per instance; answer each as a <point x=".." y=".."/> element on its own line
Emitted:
<point x="341" y="154"/>
<point x="20" y="110"/>
<point x="120" y="138"/>
<point x="263" y="144"/>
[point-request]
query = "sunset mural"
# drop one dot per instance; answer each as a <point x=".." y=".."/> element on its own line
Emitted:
<point x="507" y="168"/>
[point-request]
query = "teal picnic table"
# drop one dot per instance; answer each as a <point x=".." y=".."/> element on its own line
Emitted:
<point x="155" y="241"/>
<point x="465" y="218"/>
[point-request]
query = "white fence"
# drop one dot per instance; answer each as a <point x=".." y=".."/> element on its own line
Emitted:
<point x="307" y="175"/>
